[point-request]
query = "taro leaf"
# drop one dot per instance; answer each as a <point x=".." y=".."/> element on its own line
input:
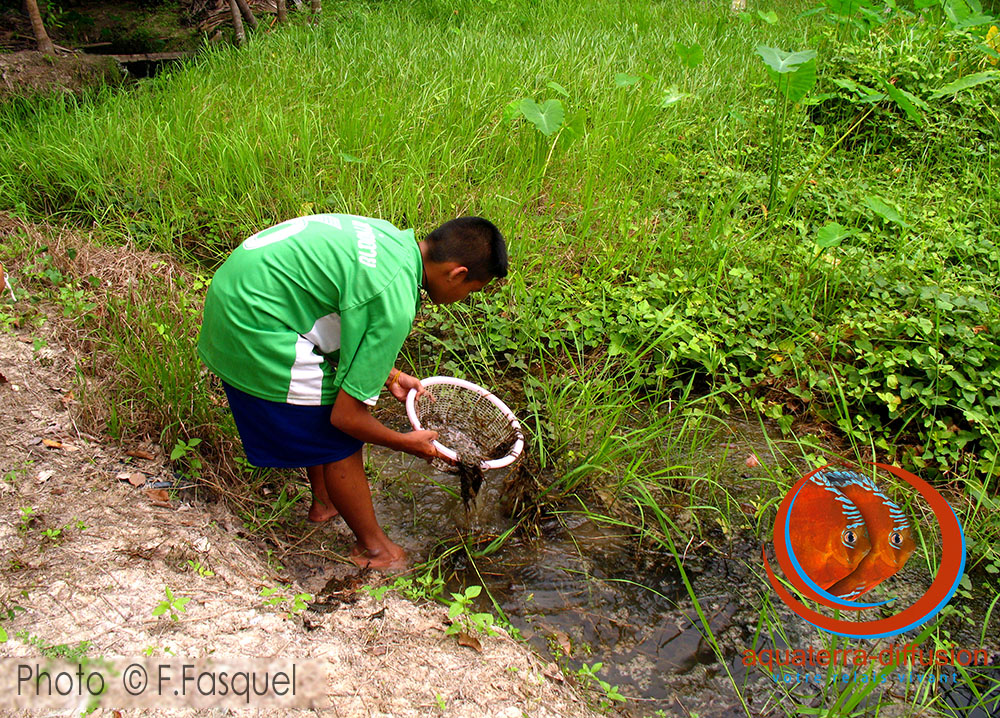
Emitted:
<point x="574" y="128"/>
<point x="965" y="14"/>
<point x="903" y="99"/>
<point x="884" y="211"/>
<point x="953" y="88"/>
<point x="844" y="8"/>
<point x="770" y="17"/>
<point x="831" y="235"/>
<point x="547" y="117"/>
<point x="512" y="110"/>
<point x="673" y="96"/>
<point x="558" y="88"/>
<point x="783" y="62"/>
<point x="691" y="56"/>
<point x="624" y="80"/>
<point x="797" y="73"/>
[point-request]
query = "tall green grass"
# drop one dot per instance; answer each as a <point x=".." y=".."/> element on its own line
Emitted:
<point x="650" y="291"/>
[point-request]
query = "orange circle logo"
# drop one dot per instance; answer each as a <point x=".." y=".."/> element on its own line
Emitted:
<point x="837" y="536"/>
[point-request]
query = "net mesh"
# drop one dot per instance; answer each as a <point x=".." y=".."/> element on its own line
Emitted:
<point x="470" y="425"/>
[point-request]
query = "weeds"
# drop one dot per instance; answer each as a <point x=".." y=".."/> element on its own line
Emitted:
<point x="281" y="595"/>
<point x="172" y="606"/>
<point x="659" y="284"/>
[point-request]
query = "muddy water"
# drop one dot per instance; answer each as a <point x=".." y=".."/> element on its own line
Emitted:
<point x="582" y="592"/>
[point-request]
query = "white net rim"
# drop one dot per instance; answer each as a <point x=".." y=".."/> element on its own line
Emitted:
<point x="515" y="451"/>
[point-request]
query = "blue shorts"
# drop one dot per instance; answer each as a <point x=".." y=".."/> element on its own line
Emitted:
<point x="287" y="436"/>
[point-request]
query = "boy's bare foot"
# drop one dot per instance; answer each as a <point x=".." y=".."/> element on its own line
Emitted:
<point x="392" y="557"/>
<point x="318" y="512"/>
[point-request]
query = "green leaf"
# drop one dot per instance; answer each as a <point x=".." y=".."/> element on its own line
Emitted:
<point x="832" y="235"/>
<point x="180" y="603"/>
<point x="783" y="62"/>
<point x="178" y="451"/>
<point x="454" y="610"/>
<point x="512" y="110"/>
<point x="547" y="117"/>
<point x="160" y="610"/>
<point x="770" y="17"/>
<point x="473" y="591"/>
<point x="624" y="80"/>
<point x="903" y="100"/>
<point x="558" y="88"/>
<point x="796" y="84"/>
<point x="348" y="158"/>
<point x="953" y="88"/>
<point x="574" y="128"/>
<point x="691" y="56"/>
<point x="673" y="96"/>
<point x="884" y="211"/>
<point x="3" y="635"/>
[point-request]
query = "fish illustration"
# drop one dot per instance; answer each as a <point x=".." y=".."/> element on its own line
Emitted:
<point x="827" y="532"/>
<point x="889" y="533"/>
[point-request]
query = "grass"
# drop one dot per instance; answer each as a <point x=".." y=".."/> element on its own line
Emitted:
<point x="652" y="291"/>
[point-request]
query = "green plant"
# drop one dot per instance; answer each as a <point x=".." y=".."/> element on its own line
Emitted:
<point x="27" y="518"/>
<point x="52" y="533"/>
<point x="7" y="613"/>
<point x="463" y="618"/>
<point x="550" y="117"/>
<point x="185" y="452"/>
<point x="281" y="594"/>
<point x="65" y="651"/>
<point x="172" y="606"/>
<point x="201" y="570"/>
<point x="587" y="674"/>
<point x="794" y="75"/>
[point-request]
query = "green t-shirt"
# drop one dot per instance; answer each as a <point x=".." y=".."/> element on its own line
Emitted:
<point x="311" y="306"/>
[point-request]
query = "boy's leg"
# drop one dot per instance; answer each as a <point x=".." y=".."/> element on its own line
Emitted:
<point x="347" y="488"/>
<point x="322" y="508"/>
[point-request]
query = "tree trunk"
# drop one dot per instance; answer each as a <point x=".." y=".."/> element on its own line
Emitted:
<point x="282" y="11"/>
<point x="317" y="6"/>
<point x="247" y="13"/>
<point x="241" y="36"/>
<point x="41" y="37"/>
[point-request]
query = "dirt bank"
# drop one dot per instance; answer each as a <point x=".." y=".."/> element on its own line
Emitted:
<point x="27" y="73"/>
<point x="87" y="556"/>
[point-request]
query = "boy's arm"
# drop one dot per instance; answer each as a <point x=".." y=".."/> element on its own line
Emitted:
<point x="351" y="416"/>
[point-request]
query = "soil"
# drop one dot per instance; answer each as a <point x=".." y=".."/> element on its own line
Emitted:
<point x="119" y="545"/>
<point x="27" y="73"/>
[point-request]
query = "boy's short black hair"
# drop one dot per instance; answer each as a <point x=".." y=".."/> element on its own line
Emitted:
<point x="474" y="242"/>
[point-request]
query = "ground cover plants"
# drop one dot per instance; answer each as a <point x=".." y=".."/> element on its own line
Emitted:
<point x="789" y="213"/>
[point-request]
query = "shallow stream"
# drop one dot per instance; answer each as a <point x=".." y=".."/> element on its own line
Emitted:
<point x="583" y="592"/>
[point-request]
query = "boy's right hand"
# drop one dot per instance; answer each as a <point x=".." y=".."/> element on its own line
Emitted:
<point x="419" y="444"/>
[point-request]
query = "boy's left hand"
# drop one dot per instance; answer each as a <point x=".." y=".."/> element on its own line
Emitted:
<point x="401" y="386"/>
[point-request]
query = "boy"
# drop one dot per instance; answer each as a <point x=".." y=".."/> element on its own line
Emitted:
<point x="303" y="323"/>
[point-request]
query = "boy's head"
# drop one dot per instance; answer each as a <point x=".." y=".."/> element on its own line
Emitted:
<point x="460" y="257"/>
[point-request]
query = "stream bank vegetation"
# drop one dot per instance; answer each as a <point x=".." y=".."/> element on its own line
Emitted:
<point x="787" y="215"/>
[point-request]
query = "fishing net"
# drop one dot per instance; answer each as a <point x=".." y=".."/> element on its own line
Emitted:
<point x="474" y="428"/>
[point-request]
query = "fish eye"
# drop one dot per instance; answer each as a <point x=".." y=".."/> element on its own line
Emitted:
<point x="896" y="539"/>
<point x="850" y="537"/>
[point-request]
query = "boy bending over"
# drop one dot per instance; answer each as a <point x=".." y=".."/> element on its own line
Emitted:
<point x="303" y="323"/>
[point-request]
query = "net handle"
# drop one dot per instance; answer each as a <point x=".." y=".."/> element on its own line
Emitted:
<point x="411" y="412"/>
